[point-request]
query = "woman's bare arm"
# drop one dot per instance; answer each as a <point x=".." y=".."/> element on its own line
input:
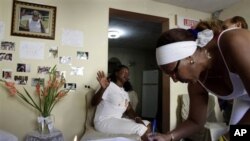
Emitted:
<point x="132" y="114"/>
<point x="235" y="47"/>
<point x="197" y="112"/>
<point x="97" y="98"/>
<point x="102" y="79"/>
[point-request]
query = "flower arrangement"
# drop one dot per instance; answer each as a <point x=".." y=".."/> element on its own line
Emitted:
<point x="48" y="96"/>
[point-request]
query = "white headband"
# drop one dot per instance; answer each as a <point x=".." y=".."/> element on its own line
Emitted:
<point x="175" y="51"/>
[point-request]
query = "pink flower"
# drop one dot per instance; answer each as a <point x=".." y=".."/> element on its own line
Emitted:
<point x="45" y="93"/>
<point x="38" y="88"/>
<point x="48" y="95"/>
<point x="11" y="87"/>
<point x="49" y="83"/>
<point x="56" y="84"/>
<point x="12" y="91"/>
<point x="61" y="94"/>
<point x="62" y="82"/>
<point x="9" y="84"/>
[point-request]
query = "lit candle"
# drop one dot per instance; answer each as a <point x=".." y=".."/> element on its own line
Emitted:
<point x="75" y="138"/>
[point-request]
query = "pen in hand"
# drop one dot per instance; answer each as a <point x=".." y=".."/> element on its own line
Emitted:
<point x="154" y="126"/>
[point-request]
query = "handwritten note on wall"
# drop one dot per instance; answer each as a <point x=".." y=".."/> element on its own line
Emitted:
<point x="72" y="38"/>
<point x="32" y="50"/>
<point x="1" y="30"/>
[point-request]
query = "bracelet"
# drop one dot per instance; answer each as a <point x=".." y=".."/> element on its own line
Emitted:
<point x="172" y="137"/>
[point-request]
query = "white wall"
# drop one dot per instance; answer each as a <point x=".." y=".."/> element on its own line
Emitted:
<point x="239" y="9"/>
<point x="90" y="17"/>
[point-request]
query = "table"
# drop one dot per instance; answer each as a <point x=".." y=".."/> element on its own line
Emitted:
<point x="114" y="139"/>
<point x="217" y="129"/>
<point x="5" y="136"/>
<point x="56" y="135"/>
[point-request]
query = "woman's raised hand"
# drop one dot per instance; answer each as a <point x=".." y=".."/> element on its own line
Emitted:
<point x="102" y="79"/>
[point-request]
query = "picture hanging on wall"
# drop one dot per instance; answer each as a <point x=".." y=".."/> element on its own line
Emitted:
<point x="43" y="69"/>
<point x="6" y="74"/>
<point x="6" y="56"/>
<point x="23" y="67"/>
<point x="21" y="80"/>
<point x="82" y="55"/>
<point x="33" y="20"/>
<point x="34" y="81"/>
<point x="53" y="51"/>
<point x="5" y="45"/>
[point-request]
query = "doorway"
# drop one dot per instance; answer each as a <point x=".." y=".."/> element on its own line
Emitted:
<point x="133" y="42"/>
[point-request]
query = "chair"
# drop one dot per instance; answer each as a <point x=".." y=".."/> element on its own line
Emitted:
<point x="90" y="132"/>
<point x="212" y="129"/>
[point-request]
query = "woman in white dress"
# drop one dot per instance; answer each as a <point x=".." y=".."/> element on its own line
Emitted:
<point x="113" y="102"/>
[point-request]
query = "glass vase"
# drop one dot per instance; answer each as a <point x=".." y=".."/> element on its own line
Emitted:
<point x="46" y="124"/>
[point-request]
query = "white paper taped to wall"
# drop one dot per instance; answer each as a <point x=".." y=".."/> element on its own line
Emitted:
<point x="72" y="38"/>
<point x="31" y="50"/>
<point x="1" y="30"/>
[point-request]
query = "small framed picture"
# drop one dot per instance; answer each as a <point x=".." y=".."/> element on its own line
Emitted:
<point x="82" y="55"/>
<point x="7" y="74"/>
<point x="23" y="67"/>
<point x="5" y="45"/>
<point x="34" y="81"/>
<point x="33" y="20"/>
<point x="21" y="80"/>
<point x="43" y="69"/>
<point x="71" y="86"/>
<point x="65" y="59"/>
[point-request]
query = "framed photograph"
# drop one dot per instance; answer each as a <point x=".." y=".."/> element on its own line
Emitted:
<point x="33" y="20"/>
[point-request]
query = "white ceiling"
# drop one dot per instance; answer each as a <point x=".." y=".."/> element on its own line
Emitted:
<point x="202" y="5"/>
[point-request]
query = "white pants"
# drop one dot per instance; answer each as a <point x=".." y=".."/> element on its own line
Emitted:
<point x="121" y="126"/>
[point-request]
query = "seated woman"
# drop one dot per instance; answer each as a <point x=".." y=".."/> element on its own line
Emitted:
<point x="113" y="102"/>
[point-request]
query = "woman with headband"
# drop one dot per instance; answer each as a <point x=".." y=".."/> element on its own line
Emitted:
<point x="209" y="64"/>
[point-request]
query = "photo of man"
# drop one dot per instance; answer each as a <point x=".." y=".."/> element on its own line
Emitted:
<point x="23" y="68"/>
<point x="32" y="21"/>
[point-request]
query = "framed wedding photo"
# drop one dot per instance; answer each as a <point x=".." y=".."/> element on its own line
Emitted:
<point x="33" y="20"/>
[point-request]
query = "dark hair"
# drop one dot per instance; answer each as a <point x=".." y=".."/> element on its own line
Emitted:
<point x="112" y="76"/>
<point x="237" y="19"/>
<point x="127" y="86"/>
<point x="175" y="35"/>
<point x="194" y="32"/>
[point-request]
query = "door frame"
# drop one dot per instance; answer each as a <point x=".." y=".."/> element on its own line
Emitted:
<point x="165" y="81"/>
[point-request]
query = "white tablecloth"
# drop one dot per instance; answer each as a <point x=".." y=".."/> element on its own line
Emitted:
<point x="114" y="139"/>
<point x="5" y="136"/>
<point x="37" y="136"/>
